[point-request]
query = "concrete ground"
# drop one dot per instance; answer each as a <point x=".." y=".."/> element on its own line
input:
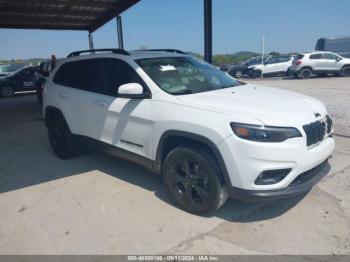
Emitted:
<point x="96" y="204"/>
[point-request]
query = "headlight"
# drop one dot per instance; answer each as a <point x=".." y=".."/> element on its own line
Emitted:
<point x="264" y="133"/>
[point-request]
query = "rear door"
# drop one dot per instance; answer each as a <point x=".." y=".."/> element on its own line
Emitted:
<point x="284" y="63"/>
<point x="75" y="83"/>
<point x="25" y="79"/>
<point x="317" y="62"/>
<point x="270" y="66"/>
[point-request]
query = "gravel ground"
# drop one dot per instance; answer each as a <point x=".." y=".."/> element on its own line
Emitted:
<point x="96" y="204"/>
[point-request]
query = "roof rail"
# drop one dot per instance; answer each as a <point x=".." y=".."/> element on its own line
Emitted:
<point x="93" y="51"/>
<point x="166" y="50"/>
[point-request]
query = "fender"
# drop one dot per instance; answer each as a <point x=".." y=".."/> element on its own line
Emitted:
<point x="197" y="138"/>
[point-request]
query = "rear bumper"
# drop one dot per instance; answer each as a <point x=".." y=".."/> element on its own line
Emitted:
<point x="301" y="184"/>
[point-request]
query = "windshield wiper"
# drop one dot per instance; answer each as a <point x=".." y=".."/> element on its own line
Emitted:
<point x="185" y="92"/>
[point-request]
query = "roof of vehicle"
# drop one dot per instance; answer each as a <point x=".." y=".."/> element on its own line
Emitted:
<point x="134" y="55"/>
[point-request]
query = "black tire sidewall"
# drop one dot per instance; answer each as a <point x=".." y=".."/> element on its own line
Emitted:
<point x="68" y="151"/>
<point x="218" y="193"/>
<point x="7" y="96"/>
<point x="343" y="71"/>
<point x="302" y="73"/>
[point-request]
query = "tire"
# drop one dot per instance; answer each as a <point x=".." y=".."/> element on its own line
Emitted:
<point x="238" y="74"/>
<point x="305" y="73"/>
<point x="345" y="72"/>
<point x="7" y="91"/>
<point x="289" y="72"/>
<point x="61" y="139"/>
<point x="256" y="74"/>
<point x="193" y="191"/>
<point x="296" y="76"/>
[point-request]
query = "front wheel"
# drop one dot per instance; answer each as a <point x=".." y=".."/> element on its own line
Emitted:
<point x="345" y="71"/>
<point x="7" y="91"/>
<point x="193" y="180"/>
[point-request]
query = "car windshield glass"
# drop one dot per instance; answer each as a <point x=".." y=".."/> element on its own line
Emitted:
<point x="11" y="67"/>
<point x="185" y="75"/>
<point x="253" y="61"/>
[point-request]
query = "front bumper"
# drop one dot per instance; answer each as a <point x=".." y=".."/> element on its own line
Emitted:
<point x="303" y="183"/>
<point x="246" y="160"/>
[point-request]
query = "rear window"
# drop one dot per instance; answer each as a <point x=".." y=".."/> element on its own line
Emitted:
<point x="299" y="57"/>
<point x="316" y="56"/>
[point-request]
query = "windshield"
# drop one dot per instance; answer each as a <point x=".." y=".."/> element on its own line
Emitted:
<point x="11" y="67"/>
<point x="185" y="75"/>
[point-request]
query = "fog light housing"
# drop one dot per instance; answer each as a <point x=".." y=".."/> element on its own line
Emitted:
<point x="270" y="177"/>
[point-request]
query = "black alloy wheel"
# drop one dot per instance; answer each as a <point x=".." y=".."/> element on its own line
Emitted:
<point x="193" y="181"/>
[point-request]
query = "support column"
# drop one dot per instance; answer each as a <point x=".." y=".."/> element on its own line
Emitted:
<point x="120" y="32"/>
<point x="91" y="42"/>
<point x="208" y="31"/>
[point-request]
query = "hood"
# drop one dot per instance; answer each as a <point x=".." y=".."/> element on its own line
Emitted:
<point x="270" y="106"/>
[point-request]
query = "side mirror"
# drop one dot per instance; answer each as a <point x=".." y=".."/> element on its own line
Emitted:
<point x="338" y="59"/>
<point x="132" y="91"/>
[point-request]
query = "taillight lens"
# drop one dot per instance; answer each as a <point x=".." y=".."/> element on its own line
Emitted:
<point x="298" y="62"/>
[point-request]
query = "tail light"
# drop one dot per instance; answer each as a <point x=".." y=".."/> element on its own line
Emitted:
<point x="298" y="62"/>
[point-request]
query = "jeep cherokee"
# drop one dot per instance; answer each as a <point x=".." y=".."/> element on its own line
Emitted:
<point x="208" y="135"/>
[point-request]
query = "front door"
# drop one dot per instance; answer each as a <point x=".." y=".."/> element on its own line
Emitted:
<point x="121" y="122"/>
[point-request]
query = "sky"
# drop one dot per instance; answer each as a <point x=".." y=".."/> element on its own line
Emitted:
<point x="238" y="25"/>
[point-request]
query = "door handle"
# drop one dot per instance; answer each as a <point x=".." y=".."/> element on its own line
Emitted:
<point x="101" y="103"/>
<point x="63" y="94"/>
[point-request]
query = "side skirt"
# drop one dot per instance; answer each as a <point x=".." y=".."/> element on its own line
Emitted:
<point x="95" y="145"/>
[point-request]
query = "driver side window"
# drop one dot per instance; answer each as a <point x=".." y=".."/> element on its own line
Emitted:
<point x="112" y="73"/>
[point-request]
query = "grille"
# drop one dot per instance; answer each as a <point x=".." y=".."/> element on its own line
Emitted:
<point x="316" y="131"/>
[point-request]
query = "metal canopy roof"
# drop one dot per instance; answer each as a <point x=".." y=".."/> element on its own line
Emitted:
<point x="60" y="14"/>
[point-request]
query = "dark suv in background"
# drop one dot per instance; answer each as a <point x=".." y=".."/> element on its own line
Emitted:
<point x="20" y="80"/>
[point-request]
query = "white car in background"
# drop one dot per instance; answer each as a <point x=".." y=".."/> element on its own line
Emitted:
<point x="275" y="66"/>
<point x="321" y="64"/>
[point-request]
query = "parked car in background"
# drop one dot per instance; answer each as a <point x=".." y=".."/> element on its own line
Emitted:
<point x="209" y="135"/>
<point x="320" y="63"/>
<point x="20" y="80"/>
<point x="279" y="65"/>
<point x="242" y="69"/>
<point x="6" y="69"/>
<point x="339" y="45"/>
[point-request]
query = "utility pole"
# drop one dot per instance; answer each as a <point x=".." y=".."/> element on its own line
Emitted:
<point x="120" y="32"/>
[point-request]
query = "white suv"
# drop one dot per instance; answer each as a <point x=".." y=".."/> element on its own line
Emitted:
<point x="320" y="63"/>
<point x="273" y="67"/>
<point x="209" y="135"/>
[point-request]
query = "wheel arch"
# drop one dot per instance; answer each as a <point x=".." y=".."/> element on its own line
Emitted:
<point x="174" y="138"/>
<point x="306" y="67"/>
<point x="51" y="111"/>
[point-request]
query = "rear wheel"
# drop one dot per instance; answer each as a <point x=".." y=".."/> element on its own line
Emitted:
<point x="61" y="139"/>
<point x="7" y="91"/>
<point x="345" y="71"/>
<point x="306" y="73"/>
<point x="193" y="180"/>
